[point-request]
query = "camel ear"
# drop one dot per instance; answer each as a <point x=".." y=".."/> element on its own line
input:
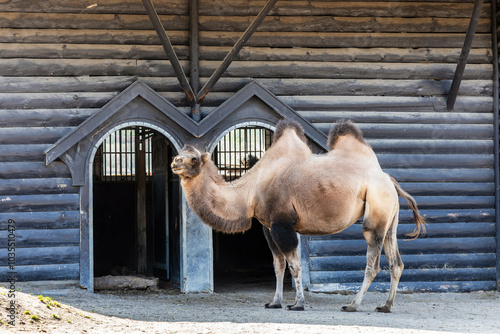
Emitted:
<point x="205" y="157"/>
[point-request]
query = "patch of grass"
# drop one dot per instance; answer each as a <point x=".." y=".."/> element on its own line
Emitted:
<point x="55" y="316"/>
<point x="35" y="318"/>
<point x="69" y="321"/>
<point x="48" y="301"/>
<point x="26" y="312"/>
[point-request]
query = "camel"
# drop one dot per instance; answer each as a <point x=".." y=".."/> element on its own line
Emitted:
<point x="290" y="190"/>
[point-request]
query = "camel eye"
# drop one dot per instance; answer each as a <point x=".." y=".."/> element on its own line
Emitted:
<point x="194" y="161"/>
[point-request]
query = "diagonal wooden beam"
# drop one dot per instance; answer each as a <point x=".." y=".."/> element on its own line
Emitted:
<point x="462" y="61"/>
<point x="234" y="51"/>
<point x="167" y="46"/>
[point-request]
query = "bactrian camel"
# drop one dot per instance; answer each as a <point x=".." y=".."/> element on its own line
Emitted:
<point x="291" y="190"/>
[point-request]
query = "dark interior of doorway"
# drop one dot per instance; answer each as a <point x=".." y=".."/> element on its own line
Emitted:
<point x="121" y="200"/>
<point x="242" y="258"/>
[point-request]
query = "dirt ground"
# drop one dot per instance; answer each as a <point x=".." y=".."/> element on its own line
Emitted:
<point x="239" y="309"/>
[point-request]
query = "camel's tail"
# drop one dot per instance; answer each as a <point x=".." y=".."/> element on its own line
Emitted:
<point x="417" y="217"/>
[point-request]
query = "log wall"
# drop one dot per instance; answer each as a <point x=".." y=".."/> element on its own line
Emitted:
<point x="387" y="65"/>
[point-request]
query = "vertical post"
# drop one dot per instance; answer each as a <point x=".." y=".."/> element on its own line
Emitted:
<point x="494" y="43"/>
<point x="462" y="61"/>
<point x="194" y="57"/>
<point x="140" y="174"/>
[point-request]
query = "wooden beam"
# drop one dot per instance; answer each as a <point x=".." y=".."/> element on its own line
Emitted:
<point x="167" y="46"/>
<point x="140" y="174"/>
<point x="234" y="51"/>
<point x="194" y="56"/>
<point x="462" y="61"/>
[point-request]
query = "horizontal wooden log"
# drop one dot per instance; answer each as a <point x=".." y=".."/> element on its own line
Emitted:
<point x="22" y="152"/>
<point x="256" y="69"/>
<point x="32" y="135"/>
<point x="483" y="104"/>
<point x="433" y="230"/>
<point x="421" y="131"/>
<point x="43" y="272"/>
<point x="453" y="202"/>
<point x="441" y="175"/>
<point x="52" y="202"/>
<point x="37" y="186"/>
<point x="42" y="238"/>
<point x="41" y="220"/>
<point x="399" y="117"/>
<point x="417" y="246"/>
<point x="328" y="23"/>
<point x="156" y="52"/>
<point x="44" y="117"/>
<point x="428" y="146"/>
<point x="409" y="275"/>
<point x="436" y="160"/>
<point x="442" y="189"/>
<point x="436" y="261"/>
<point x="42" y="256"/>
<point x="449" y="216"/>
<point x="374" y="54"/>
<point x="55" y="100"/>
<point x="259" y="39"/>
<point x="342" y="8"/>
<point x="339" y="23"/>
<point x="438" y="286"/>
<point x="18" y="170"/>
<point x="23" y="20"/>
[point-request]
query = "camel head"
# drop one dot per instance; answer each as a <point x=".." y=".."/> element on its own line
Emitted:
<point x="189" y="162"/>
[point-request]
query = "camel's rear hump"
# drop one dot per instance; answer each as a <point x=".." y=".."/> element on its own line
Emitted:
<point x="344" y="128"/>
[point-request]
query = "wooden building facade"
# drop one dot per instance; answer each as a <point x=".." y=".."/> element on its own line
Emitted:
<point x="73" y="73"/>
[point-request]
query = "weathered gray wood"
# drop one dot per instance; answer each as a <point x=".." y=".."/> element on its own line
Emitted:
<point x="262" y="39"/>
<point x="449" y="216"/>
<point x="421" y="131"/>
<point x="429" y="146"/>
<point x="125" y="282"/>
<point x="42" y="272"/>
<point x="442" y="189"/>
<point x="44" y="117"/>
<point x="441" y="175"/>
<point x="342" y="8"/>
<point x="344" y="263"/>
<point x="112" y="51"/>
<point x="347" y="24"/>
<point x="52" y="202"/>
<point x="34" y="135"/>
<point x="36" y="186"/>
<point x="42" y="255"/>
<point x="435" y="160"/>
<point x="437" y="286"/>
<point x="43" y="238"/>
<point x="22" y="152"/>
<point x="17" y="170"/>
<point x="453" y="202"/>
<point x="87" y="21"/>
<point x="418" y="246"/>
<point x="434" y="230"/>
<point x="175" y="7"/>
<point x="398" y="117"/>
<point x="41" y="220"/>
<point x="409" y="275"/>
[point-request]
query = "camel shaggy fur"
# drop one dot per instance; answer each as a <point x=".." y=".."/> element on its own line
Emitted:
<point x="290" y="190"/>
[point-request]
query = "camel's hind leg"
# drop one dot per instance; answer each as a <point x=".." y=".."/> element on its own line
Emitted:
<point x="376" y="222"/>
<point x="395" y="263"/>
<point x="279" y="269"/>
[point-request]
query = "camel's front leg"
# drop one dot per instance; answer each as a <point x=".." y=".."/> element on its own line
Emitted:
<point x="279" y="263"/>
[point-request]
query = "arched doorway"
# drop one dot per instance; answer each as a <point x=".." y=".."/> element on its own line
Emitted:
<point x="136" y="206"/>
<point x="241" y="258"/>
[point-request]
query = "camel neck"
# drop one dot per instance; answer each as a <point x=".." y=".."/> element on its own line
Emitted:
<point x="219" y="204"/>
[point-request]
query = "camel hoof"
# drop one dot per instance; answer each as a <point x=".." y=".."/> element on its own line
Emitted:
<point x="348" y="309"/>
<point x="383" y="309"/>
<point x="272" y="305"/>
<point x="295" y="308"/>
